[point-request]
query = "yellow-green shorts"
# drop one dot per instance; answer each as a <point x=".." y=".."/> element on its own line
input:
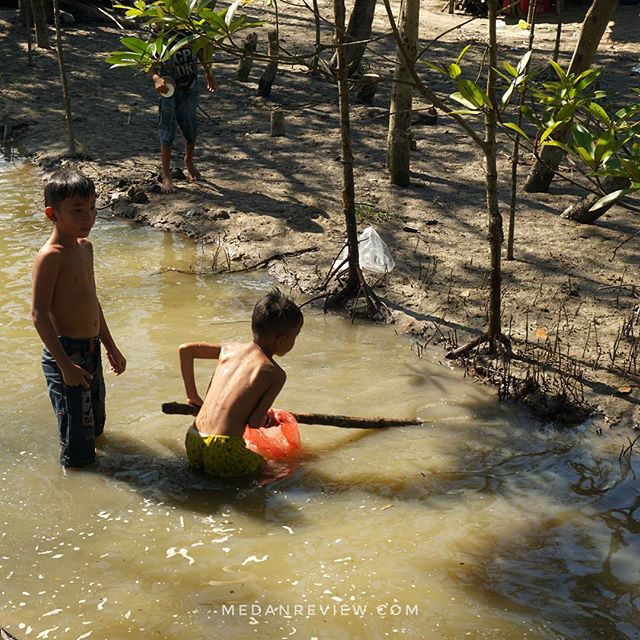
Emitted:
<point x="222" y="456"/>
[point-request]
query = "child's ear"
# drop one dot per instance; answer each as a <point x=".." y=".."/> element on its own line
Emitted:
<point x="50" y="213"/>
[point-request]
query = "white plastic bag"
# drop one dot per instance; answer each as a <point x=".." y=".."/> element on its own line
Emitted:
<point x="374" y="253"/>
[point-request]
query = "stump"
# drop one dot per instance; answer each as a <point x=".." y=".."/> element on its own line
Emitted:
<point x="368" y="88"/>
<point x="269" y="74"/>
<point x="277" y="123"/>
<point x="246" y="62"/>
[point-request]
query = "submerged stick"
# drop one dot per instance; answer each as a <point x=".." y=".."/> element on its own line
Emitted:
<point x="348" y="422"/>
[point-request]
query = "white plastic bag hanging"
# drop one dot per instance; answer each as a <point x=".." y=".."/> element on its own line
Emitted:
<point x="374" y="253"/>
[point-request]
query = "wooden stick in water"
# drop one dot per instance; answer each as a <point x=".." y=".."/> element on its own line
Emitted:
<point x="348" y="422"/>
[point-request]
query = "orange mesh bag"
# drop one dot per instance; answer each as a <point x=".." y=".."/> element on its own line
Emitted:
<point x="278" y="441"/>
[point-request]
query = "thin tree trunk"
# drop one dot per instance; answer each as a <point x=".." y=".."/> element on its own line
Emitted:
<point x="495" y="219"/>
<point x="531" y="21"/>
<point x="581" y="210"/>
<point x="63" y="79"/>
<point x="593" y="29"/>
<point x="359" y="30"/>
<point x="246" y="62"/>
<point x="269" y="75"/>
<point x="39" y="13"/>
<point x="348" y="192"/>
<point x="399" y="136"/>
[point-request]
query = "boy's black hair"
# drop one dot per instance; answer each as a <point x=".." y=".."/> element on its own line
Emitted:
<point x="65" y="183"/>
<point x="275" y="315"/>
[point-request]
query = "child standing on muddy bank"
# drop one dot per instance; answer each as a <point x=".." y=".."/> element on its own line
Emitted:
<point x="246" y="382"/>
<point x="176" y="84"/>
<point x="68" y="318"/>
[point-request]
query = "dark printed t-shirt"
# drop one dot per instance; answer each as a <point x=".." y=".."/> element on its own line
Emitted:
<point x="182" y="68"/>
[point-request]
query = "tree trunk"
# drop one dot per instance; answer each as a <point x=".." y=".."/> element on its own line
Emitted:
<point x="63" y="79"/>
<point x="593" y="29"/>
<point x="39" y="13"/>
<point x="581" y="210"/>
<point x="399" y="137"/>
<point x="246" y="62"/>
<point x="348" y="188"/>
<point x="359" y="30"/>
<point x="493" y="209"/>
<point x="269" y="74"/>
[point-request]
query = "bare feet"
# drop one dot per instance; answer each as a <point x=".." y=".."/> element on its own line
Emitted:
<point x="192" y="170"/>
<point x="167" y="185"/>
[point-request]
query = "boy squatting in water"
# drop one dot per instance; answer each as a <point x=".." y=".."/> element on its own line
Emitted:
<point x="246" y="382"/>
<point x="69" y="319"/>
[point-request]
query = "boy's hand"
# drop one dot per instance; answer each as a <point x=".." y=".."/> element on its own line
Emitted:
<point x="272" y="421"/>
<point x="117" y="361"/>
<point x="160" y="85"/>
<point x="195" y="401"/>
<point x="76" y="376"/>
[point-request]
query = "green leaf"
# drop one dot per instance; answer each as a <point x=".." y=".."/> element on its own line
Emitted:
<point x="549" y="131"/>
<point x="514" y="127"/>
<point x="558" y="69"/>
<point x="134" y="44"/>
<point x="599" y="113"/>
<point x="472" y="93"/>
<point x="560" y="145"/>
<point x="609" y="199"/>
<point x="454" y="70"/>
<point x="510" y="69"/>
<point x="228" y="17"/>
<point x="458" y="97"/>
<point x="524" y="61"/>
<point x="463" y="53"/>
<point x="435" y="67"/>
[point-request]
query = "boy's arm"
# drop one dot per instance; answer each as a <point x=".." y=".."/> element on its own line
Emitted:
<point x="259" y="416"/>
<point x="212" y="85"/>
<point x="117" y="361"/>
<point x="46" y="269"/>
<point x="187" y="353"/>
<point x="159" y="83"/>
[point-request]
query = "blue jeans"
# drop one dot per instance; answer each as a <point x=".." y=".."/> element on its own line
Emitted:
<point x="80" y="412"/>
<point x="179" y="109"/>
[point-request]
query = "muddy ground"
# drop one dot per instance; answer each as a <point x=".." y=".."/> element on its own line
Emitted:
<point x="571" y="296"/>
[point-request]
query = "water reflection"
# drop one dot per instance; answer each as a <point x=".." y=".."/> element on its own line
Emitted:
<point x="476" y="524"/>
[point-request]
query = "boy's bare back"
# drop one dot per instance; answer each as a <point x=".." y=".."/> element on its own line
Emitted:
<point x="243" y="387"/>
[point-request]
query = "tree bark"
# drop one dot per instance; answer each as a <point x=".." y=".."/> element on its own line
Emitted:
<point x="39" y="13"/>
<point x="348" y="188"/>
<point x="493" y="208"/>
<point x="358" y="30"/>
<point x="581" y="210"/>
<point x="246" y="62"/>
<point x="63" y="79"/>
<point x="269" y="75"/>
<point x="399" y="136"/>
<point x="591" y="33"/>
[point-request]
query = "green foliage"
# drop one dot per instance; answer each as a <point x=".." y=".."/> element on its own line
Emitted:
<point x="366" y="212"/>
<point x="570" y="116"/>
<point x="196" y="22"/>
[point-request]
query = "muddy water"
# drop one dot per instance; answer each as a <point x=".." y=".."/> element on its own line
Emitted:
<point x="476" y="524"/>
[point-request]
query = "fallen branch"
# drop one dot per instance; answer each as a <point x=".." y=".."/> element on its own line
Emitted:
<point x="348" y="422"/>
<point x="275" y="256"/>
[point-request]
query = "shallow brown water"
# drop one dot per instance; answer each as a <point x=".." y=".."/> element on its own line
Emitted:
<point x="479" y="523"/>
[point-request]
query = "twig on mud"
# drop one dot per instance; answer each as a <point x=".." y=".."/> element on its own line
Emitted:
<point x="275" y="256"/>
<point x="631" y="237"/>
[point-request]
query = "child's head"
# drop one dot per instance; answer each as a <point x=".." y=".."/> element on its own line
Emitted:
<point x="277" y="319"/>
<point x="69" y="200"/>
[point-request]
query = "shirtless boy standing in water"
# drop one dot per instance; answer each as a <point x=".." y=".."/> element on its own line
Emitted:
<point x="68" y="317"/>
<point x="242" y="390"/>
